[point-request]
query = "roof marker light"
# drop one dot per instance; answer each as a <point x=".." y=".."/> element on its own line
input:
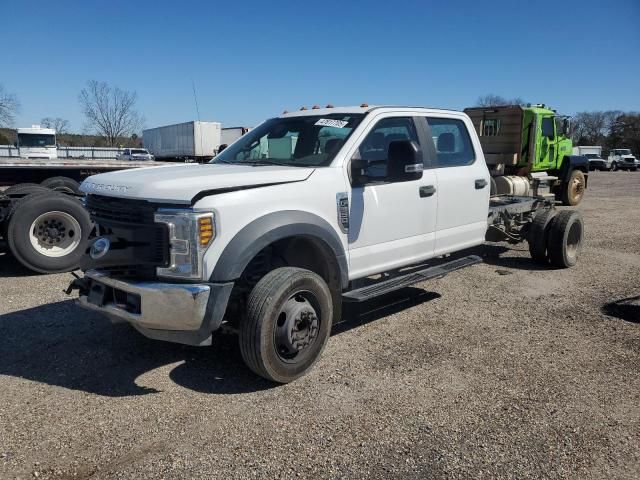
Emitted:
<point x="329" y="106"/>
<point x="303" y="108"/>
<point x="316" y="107"/>
<point x="364" y="105"/>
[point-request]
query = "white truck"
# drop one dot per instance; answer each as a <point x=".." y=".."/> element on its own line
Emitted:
<point x="594" y="154"/>
<point x="270" y="242"/>
<point x="623" y="159"/>
<point x="36" y="142"/>
<point x="194" y="141"/>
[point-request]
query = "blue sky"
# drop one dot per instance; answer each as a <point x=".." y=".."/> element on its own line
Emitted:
<point x="250" y="60"/>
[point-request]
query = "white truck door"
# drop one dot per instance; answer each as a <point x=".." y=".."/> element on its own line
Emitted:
<point x="463" y="184"/>
<point x="391" y="224"/>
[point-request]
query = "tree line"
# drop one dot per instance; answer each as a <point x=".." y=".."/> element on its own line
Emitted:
<point x="110" y="115"/>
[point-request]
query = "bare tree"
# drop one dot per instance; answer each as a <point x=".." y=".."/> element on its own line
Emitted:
<point x="110" y="111"/>
<point x="592" y="127"/>
<point x="492" y="100"/>
<point x="60" y="125"/>
<point x="9" y="106"/>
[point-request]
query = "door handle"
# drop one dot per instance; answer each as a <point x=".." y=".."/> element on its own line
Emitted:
<point x="481" y="183"/>
<point x="427" y="191"/>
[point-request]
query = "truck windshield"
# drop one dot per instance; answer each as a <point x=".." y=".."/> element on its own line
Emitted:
<point x="139" y="151"/>
<point x="304" y="141"/>
<point x="592" y="155"/>
<point x="36" y="140"/>
<point x="623" y="151"/>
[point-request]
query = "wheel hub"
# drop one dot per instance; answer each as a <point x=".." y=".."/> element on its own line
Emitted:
<point x="296" y="326"/>
<point x="51" y="231"/>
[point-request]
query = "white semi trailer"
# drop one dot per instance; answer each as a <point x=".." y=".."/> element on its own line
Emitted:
<point x="193" y="141"/>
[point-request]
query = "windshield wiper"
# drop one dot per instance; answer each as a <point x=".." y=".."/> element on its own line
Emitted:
<point x="262" y="163"/>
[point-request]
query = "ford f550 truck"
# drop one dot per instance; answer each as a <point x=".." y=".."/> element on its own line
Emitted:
<point x="306" y="211"/>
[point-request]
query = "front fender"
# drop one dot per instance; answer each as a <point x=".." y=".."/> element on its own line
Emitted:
<point x="262" y="232"/>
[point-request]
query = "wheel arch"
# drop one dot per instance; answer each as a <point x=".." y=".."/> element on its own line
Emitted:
<point x="287" y="226"/>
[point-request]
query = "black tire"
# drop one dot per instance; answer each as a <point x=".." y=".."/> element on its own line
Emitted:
<point x="21" y="189"/>
<point x="59" y="218"/>
<point x="62" y="184"/>
<point x="573" y="189"/>
<point x="614" y="166"/>
<point x="566" y="235"/>
<point x="266" y="323"/>
<point x="539" y="234"/>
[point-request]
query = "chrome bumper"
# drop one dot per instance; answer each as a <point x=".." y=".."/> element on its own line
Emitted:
<point x="150" y="305"/>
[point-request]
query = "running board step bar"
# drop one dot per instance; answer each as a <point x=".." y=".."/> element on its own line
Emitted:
<point x="402" y="281"/>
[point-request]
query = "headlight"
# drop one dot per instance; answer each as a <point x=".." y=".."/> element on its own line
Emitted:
<point x="190" y="234"/>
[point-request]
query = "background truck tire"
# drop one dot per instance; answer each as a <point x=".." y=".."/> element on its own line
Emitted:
<point x="287" y="324"/>
<point x="24" y="189"/>
<point x="48" y="232"/>
<point x="538" y="236"/>
<point x="62" y="184"/>
<point x="573" y="189"/>
<point x="566" y="234"/>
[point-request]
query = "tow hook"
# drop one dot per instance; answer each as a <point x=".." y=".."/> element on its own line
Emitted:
<point x="81" y="284"/>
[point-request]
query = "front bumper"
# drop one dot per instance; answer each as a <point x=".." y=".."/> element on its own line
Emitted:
<point x="177" y="312"/>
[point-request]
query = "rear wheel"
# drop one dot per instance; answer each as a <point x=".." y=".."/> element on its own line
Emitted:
<point x="62" y="184"/>
<point x="287" y="324"/>
<point x="566" y="234"/>
<point x="48" y="232"/>
<point x="573" y="189"/>
<point x="539" y="235"/>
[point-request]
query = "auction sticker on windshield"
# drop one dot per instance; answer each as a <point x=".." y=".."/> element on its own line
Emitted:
<point x="327" y="122"/>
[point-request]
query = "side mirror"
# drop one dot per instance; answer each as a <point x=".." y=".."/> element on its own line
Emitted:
<point x="405" y="161"/>
<point x="358" y="171"/>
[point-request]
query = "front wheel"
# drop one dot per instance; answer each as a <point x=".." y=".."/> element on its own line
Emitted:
<point x="573" y="189"/>
<point x="287" y="324"/>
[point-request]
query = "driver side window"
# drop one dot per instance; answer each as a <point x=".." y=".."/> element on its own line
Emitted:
<point x="374" y="148"/>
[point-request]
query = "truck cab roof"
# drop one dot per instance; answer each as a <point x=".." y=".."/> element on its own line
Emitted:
<point x="362" y="109"/>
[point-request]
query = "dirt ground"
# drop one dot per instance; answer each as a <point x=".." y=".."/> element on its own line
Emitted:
<point x="506" y="369"/>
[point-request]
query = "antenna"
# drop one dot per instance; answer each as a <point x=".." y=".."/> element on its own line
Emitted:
<point x="195" y="99"/>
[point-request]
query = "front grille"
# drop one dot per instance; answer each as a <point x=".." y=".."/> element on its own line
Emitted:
<point x="138" y="244"/>
<point x="121" y="210"/>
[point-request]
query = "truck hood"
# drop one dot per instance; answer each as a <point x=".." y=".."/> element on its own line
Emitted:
<point x="182" y="183"/>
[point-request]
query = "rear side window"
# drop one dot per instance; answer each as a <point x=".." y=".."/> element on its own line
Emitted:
<point x="452" y="142"/>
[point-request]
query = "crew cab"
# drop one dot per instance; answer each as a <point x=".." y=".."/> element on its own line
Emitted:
<point x="135" y="154"/>
<point x="306" y="211"/>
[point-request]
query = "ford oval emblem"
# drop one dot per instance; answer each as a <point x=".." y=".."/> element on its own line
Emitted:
<point x="99" y="248"/>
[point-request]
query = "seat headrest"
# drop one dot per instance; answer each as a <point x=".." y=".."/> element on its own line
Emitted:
<point x="446" y="142"/>
<point x="333" y="145"/>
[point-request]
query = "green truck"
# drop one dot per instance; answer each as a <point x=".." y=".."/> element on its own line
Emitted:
<point x="528" y="151"/>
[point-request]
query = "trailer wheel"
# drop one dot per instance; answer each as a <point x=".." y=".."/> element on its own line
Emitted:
<point x="565" y="238"/>
<point x="62" y="184"/>
<point x="539" y="235"/>
<point x="48" y="232"/>
<point x="573" y="189"/>
<point x="287" y="325"/>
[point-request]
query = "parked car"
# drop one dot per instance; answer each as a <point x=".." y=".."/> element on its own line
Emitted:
<point x="135" y="154"/>
<point x="623" y="159"/>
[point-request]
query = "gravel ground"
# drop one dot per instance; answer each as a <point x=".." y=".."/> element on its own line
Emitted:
<point x="505" y="369"/>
